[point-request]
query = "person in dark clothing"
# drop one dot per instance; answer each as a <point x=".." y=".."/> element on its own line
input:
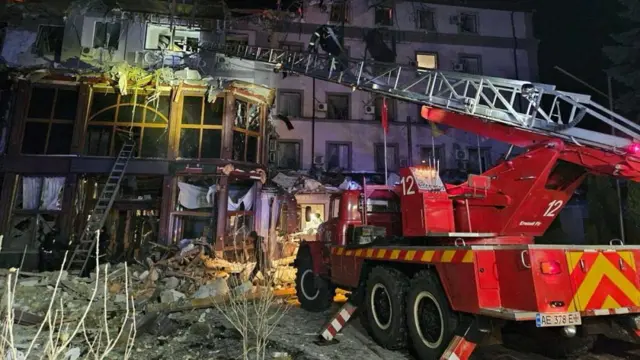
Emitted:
<point x="52" y="249"/>
<point x="259" y="251"/>
<point x="327" y="38"/>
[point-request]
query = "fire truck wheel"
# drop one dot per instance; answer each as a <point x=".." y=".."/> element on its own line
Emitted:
<point x="314" y="293"/>
<point x="430" y="320"/>
<point x="385" y="320"/>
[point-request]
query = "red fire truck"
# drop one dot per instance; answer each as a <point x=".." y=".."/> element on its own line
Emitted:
<point x="437" y="267"/>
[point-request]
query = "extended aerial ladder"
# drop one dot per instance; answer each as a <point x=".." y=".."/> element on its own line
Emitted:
<point x="86" y="245"/>
<point x="517" y="112"/>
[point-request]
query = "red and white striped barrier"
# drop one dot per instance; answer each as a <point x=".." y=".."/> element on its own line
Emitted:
<point x="339" y="320"/>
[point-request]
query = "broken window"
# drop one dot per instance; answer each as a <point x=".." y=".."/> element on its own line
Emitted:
<point x="247" y="127"/>
<point x="290" y="103"/>
<point x="49" y="40"/>
<point x="338" y="156"/>
<point x="39" y="193"/>
<point x="112" y="115"/>
<point x="339" y="12"/>
<point x="384" y="16"/>
<point x="391" y="109"/>
<point x="392" y="157"/>
<point x="106" y="35"/>
<point x="201" y="128"/>
<point x="289" y="154"/>
<point x="29" y="231"/>
<point x="426" y="20"/>
<point x="49" y="123"/>
<point x="162" y="37"/>
<point x="338" y="106"/>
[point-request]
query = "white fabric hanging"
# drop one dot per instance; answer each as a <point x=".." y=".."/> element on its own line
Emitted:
<point x="51" y="193"/>
<point x="195" y="197"/>
<point x="30" y="191"/>
<point x="247" y="199"/>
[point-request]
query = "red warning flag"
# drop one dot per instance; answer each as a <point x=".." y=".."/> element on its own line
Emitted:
<point x="385" y="116"/>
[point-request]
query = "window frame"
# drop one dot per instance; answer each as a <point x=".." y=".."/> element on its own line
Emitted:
<point x="392" y="107"/>
<point x="375" y="16"/>
<point x="419" y="24"/>
<point x="202" y="126"/>
<point x="50" y="121"/>
<point x="378" y="150"/>
<point x="440" y="152"/>
<point x="173" y="34"/>
<point x="248" y="133"/>
<point x="428" y="53"/>
<point x="346" y="10"/>
<point x="462" y="58"/>
<point x="115" y="124"/>
<point x="485" y="155"/>
<point x="300" y="93"/>
<point x="95" y="29"/>
<point x="299" y="155"/>
<point x="39" y="35"/>
<point x="349" y="146"/>
<point x="475" y="16"/>
<point x="332" y="94"/>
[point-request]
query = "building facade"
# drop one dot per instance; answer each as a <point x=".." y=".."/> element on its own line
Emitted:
<point x="485" y="39"/>
<point x="156" y="60"/>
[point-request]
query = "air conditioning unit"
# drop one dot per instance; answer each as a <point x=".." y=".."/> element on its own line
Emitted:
<point x="369" y="110"/>
<point x="321" y="107"/>
<point x="462" y="155"/>
<point x="458" y="67"/>
<point x="87" y="53"/>
<point x="318" y="160"/>
<point x="454" y="20"/>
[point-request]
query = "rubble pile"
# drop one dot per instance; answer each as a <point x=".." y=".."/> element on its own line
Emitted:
<point x="164" y="295"/>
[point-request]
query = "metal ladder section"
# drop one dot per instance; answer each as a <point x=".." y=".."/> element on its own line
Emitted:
<point x="85" y="247"/>
<point x="539" y="108"/>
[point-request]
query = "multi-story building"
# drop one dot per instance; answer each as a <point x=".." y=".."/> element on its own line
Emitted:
<point x="477" y="37"/>
<point x="61" y="153"/>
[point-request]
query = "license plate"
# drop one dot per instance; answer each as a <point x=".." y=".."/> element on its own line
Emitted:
<point x="559" y="319"/>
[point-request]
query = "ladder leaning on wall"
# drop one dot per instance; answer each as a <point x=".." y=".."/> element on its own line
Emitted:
<point x="86" y="245"/>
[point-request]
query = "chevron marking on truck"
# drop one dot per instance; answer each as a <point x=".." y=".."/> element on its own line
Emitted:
<point x="406" y="255"/>
<point x="603" y="280"/>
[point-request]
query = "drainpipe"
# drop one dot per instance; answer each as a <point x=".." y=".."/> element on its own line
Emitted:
<point x="515" y="45"/>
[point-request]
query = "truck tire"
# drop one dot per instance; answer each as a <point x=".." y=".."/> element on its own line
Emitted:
<point x="314" y="293"/>
<point x="430" y="320"/>
<point x="384" y="307"/>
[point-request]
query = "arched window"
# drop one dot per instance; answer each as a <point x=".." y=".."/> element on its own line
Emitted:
<point x="112" y="113"/>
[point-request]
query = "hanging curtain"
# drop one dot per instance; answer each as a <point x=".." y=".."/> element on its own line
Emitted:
<point x="52" y="187"/>
<point x="30" y="191"/>
<point x="247" y="199"/>
<point x="195" y="197"/>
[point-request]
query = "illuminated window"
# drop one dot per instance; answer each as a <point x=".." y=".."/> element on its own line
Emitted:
<point x="427" y="60"/>
<point x="113" y="114"/>
<point x="201" y="128"/>
<point x="247" y="127"/>
<point x="49" y="123"/>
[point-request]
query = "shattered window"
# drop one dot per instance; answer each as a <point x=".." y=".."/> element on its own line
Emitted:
<point x="247" y="128"/>
<point x="106" y="35"/>
<point x="49" y="40"/>
<point x="201" y="128"/>
<point x="49" y="123"/>
<point x="29" y="231"/>
<point x="39" y="193"/>
<point x="144" y="115"/>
